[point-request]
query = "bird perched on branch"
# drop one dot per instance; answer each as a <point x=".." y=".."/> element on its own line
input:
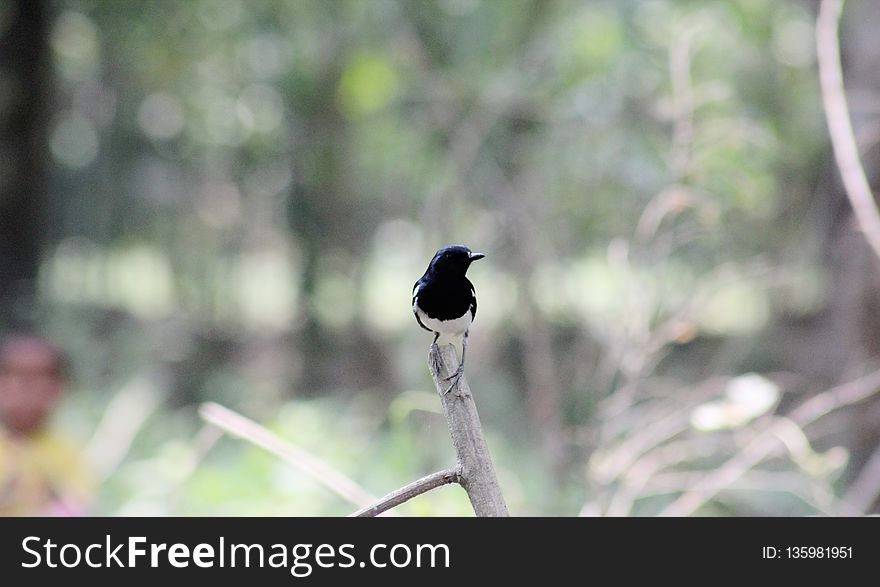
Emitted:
<point x="444" y="301"/>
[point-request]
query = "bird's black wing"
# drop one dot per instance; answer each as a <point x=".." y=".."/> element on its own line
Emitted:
<point x="473" y="300"/>
<point x="416" y="289"/>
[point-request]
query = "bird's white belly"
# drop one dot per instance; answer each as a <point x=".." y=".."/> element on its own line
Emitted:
<point x="448" y="329"/>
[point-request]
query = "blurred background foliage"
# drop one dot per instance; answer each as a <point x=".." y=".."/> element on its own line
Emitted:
<point x="231" y="201"/>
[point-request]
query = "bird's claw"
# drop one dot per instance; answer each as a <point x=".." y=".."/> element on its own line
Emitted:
<point x="435" y="357"/>
<point x="455" y="378"/>
<point x="457" y="375"/>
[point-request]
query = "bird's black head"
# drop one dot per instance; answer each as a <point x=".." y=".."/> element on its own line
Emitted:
<point x="453" y="260"/>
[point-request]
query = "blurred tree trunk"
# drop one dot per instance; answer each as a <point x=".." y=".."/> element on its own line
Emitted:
<point x="24" y="80"/>
<point x="844" y="337"/>
<point x="330" y="223"/>
<point x="850" y="259"/>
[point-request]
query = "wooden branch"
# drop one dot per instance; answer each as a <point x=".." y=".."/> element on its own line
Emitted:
<point x="840" y="128"/>
<point x="237" y="425"/>
<point x="406" y="493"/>
<point x="477" y="474"/>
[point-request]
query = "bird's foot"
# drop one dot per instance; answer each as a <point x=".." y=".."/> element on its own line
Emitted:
<point x="455" y="378"/>
<point x="435" y="357"/>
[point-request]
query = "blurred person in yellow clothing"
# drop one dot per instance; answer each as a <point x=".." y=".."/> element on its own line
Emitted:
<point x="41" y="474"/>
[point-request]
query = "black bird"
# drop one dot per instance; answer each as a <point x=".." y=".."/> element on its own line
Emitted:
<point x="444" y="301"/>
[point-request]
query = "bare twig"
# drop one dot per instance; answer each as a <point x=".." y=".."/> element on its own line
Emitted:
<point x="606" y="467"/>
<point x="812" y="492"/>
<point x="763" y="445"/>
<point x="237" y="425"/>
<point x="406" y="493"/>
<point x="123" y="418"/>
<point x="682" y="103"/>
<point x="845" y="394"/>
<point x="840" y="128"/>
<point x="477" y="472"/>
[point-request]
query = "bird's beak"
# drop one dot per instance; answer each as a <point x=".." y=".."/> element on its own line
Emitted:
<point x="476" y="256"/>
